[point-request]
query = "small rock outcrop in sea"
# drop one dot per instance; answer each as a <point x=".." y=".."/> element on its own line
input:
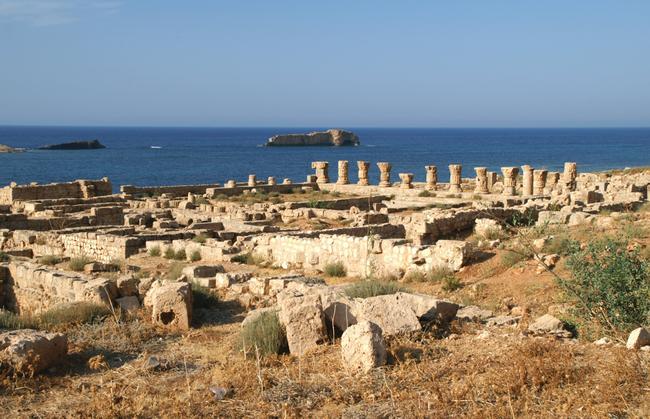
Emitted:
<point x="7" y="149"/>
<point x="75" y="145"/>
<point x="335" y="137"/>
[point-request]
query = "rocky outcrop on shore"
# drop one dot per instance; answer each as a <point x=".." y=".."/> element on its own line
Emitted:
<point x="332" y="137"/>
<point x="75" y="145"/>
<point x="7" y="149"/>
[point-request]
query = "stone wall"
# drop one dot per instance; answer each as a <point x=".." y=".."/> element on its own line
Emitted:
<point x="30" y="288"/>
<point x="104" y="248"/>
<point x="175" y="190"/>
<point x="362" y="256"/>
<point x="76" y="189"/>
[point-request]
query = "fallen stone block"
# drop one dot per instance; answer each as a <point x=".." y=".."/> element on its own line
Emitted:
<point x="386" y="311"/>
<point x="31" y="351"/>
<point x="202" y="271"/>
<point x="638" y="338"/>
<point x="303" y="320"/>
<point x="474" y="314"/>
<point x="128" y="304"/>
<point x="428" y="308"/>
<point x="549" y="325"/>
<point x="171" y="304"/>
<point x="363" y="347"/>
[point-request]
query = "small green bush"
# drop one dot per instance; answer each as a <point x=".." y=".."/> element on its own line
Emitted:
<point x="248" y="259"/>
<point x="425" y="194"/>
<point x="49" y="260"/>
<point x="372" y="288"/>
<point x="512" y="257"/>
<point x="561" y="245"/>
<point x="415" y="276"/>
<point x="610" y="284"/>
<point x="4" y="257"/>
<point x="175" y="270"/>
<point x="154" y="251"/>
<point x="202" y="297"/>
<point x="451" y="283"/>
<point x="438" y="274"/>
<point x="170" y="253"/>
<point x="336" y="269"/>
<point x="201" y="238"/>
<point x="76" y="313"/>
<point x="264" y="333"/>
<point x="77" y="263"/>
<point x="195" y="256"/>
<point x="198" y="200"/>
<point x="180" y="255"/>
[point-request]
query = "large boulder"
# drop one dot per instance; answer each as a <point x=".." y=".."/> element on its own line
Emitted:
<point x="638" y="338"/>
<point x="391" y="314"/>
<point x="302" y="317"/>
<point x="362" y="347"/>
<point x="428" y="308"/>
<point x="171" y="304"/>
<point x="31" y="351"/>
<point x="548" y="325"/>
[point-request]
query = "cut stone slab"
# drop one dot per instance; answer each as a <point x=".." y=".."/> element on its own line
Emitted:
<point x="363" y="347"/>
<point x="32" y="351"/>
<point x="548" y="325"/>
<point x="171" y="304"/>
<point x="638" y="338"/>
<point x="428" y="308"/>
<point x="474" y="314"/>
<point x="303" y="320"/>
<point x="390" y="314"/>
<point x="202" y="271"/>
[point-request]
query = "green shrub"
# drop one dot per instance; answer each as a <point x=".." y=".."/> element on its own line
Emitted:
<point x="175" y="270"/>
<point x="415" y="276"/>
<point x="195" y="256"/>
<point x="610" y="285"/>
<point x="336" y="269"/>
<point x="180" y="255"/>
<point x="77" y="263"/>
<point x="451" y="283"/>
<point x="4" y="257"/>
<point x="198" y="200"/>
<point x="49" y="260"/>
<point x="202" y="297"/>
<point x="170" y="253"/>
<point x="562" y="246"/>
<point x="201" y="238"/>
<point x="372" y="288"/>
<point x="12" y="321"/>
<point x="240" y="258"/>
<point x="512" y="257"/>
<point x="438" y="274"/>
<point x="264" y="333"/>
<point x="248" y="259"/>
<point x="154" y="251"/>
<point x="425" y="194"/>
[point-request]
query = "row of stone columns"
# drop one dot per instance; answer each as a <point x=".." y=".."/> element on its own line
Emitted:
<point x="534" y="181"/>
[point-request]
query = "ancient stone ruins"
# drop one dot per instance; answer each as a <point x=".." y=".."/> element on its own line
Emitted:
<point x="387" y="227"/>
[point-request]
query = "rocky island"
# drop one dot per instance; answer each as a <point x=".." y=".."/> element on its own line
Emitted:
<point x="75" y="145"/>
<point x="331" y="137"/>
<point x="6" y="149"/>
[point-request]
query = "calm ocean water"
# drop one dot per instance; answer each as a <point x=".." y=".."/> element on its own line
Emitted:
<point x="204" y="155"/>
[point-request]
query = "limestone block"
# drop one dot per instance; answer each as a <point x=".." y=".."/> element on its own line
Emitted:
<point x="474" y="314"/>
<point x="427" y="307"/>
<point x="258" y="286"/>
<point x="171" y="304"/>
<point x="31" y="351"/>
<point x="552" y="217"/>
<point x="390" y="314"/>
<point x="363" y="347"/>
<point x="451" y="253"/>
<point x="548" y="325"/>
<point x="100" y="290"/>
<point x="638" y="338"/>
<point x="303" y="320"/>
<point x="486" y="226"/>
<point x="202" y="271"/>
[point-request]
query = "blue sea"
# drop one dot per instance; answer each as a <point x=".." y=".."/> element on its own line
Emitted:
<point x="171" y="156"/>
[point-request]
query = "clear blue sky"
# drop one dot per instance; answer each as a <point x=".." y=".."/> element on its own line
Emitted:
<point x="325" y="63"/>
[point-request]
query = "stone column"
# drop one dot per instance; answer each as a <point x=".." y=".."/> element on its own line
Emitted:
<point x="481" y="180"/>
<point x="539" y="181"/>
<point x="407" y="180"/>
<point x="191" y="198"/>
<point x="271" y="181"/>
<point x="432" y="177"/>
<point x="528" y="180"/>
<point x="231" y="183"/>
<point x="252" y="180"/>
<point x="491" y="179"/>
<point x="321" y="171"/>
<point x="455" y="171"/>
<point x="363" y="167"/>
<point x="509" y="180"/>
<point x="569" y="176"/>
<point x="287" y="181"/>
<point x="551" y="181"/>
<point x="343" y="173"/>
<point x="384" y="173"/>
